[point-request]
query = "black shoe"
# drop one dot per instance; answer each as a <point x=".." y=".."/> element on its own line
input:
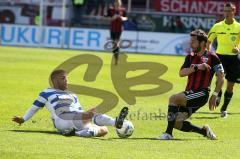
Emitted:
<point x="68" y="132"/>
<point x="120" y="118"/>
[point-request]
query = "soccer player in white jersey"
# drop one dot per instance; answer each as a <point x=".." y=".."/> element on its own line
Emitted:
<point x="66" y="112"/>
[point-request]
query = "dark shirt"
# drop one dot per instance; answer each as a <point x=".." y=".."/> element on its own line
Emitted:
<point x="117" y="24"/>
<point x="200" y="79"/>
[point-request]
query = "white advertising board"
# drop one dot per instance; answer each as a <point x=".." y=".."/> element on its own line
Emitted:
<point x="92" y="39"/>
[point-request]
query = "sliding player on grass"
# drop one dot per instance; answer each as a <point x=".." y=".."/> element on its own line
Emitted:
<point x="66" y="112"/>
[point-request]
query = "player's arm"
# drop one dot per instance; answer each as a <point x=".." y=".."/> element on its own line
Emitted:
<point x="236" y="49"/>
<point x="211" y="36"/>
<point x="77" y="104"/>
<point x="110" y="16"/>
<point x="194" y="68"/>
<point x="27" y="116"/>
<point x="38" y="104"/>
<point x="219" y="83"/>
<point x="186" y="71"/>
<point x="188" y="68"/>
<point x="124" y="16"/>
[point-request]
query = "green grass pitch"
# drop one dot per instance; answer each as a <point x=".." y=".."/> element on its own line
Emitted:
<point x="24" y="73"/>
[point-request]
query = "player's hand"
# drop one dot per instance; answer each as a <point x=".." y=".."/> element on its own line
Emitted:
<point x="18" y="119"/>
<point x="204" y="66"/>
<point x="88" y="115"/>
<point x="236" y="50"/>
<point x="212" y="102"/>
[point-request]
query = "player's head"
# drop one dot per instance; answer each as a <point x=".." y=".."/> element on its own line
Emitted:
<point x="198" y="40"/>
<point x="229" y="10"/>
<point x="117" y="3"/>
<point x="59" y="79"/>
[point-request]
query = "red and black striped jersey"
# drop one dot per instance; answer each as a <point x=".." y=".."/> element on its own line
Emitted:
<point x="117" y="24"/>
<point x="200" y="79"/>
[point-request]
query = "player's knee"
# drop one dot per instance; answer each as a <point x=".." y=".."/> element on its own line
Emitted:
<point x="172" y="99"/>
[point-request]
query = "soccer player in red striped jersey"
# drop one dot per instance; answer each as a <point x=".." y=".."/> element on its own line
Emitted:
<point x="118" y="15"/>
<point x="200" y="66"/>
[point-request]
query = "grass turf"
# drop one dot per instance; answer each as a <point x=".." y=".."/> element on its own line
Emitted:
<point x="25" y="72"/>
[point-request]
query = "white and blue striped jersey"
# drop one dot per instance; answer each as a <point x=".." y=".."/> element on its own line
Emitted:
<point x="54" y="99"/>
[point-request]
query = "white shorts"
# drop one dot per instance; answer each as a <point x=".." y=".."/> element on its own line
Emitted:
<point x="66" y="127"/>
<point x="66" y="122"/>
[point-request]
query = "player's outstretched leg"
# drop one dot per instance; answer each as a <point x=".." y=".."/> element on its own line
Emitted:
<point x="105" y="120"/>
<point x="92" y="130"/>
<point x="120" y="118"/>
<point x="205" y="130"/>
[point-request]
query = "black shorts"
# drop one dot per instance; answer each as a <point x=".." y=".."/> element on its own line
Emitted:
<point x="195" y="100"/>
<point x="115" y="35"/>
<point x="231" y="65"/>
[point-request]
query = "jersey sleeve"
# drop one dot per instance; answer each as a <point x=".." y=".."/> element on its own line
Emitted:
<point x="30" y="112"/>
<point x="37" y="104"/>
<point x="41" y="100"/>
<point x="187" y="62"/>
<point x="238" y="37"/>
<point x="212" y="33"/>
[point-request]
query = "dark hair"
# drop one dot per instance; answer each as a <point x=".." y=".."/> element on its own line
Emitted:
<point x="200" y="34"/>
<point x="231" y="5"/>
<point x="56" y="73"/>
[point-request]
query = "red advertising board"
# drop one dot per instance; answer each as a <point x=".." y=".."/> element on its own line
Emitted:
<point x="209" y="7"/>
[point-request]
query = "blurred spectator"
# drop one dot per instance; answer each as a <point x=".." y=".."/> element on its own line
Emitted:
<point x="78" y="10"/>
<point x="174" y="25"/>
<point x="107" y="4"/>
<point x="96" y="7"/>
<point x="179" y="25"/>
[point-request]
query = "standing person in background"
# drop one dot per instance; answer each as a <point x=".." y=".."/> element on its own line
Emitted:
<point x="227" y="33"/>
<point x="78" y="11"/>
<point x="118" y="15"/>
